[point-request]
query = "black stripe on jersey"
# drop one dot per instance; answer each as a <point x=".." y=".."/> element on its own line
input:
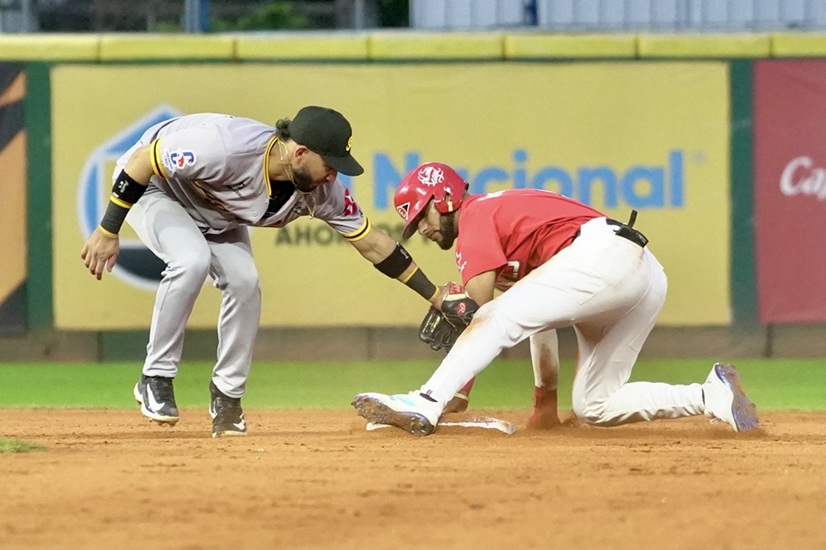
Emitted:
<point x="359" y="233"/>
<point x="155" y="158"/>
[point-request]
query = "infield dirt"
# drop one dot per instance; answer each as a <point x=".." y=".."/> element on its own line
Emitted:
<point x="317" y="479"/>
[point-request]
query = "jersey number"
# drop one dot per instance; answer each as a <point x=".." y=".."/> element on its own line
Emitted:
<point x="508" y="276"/>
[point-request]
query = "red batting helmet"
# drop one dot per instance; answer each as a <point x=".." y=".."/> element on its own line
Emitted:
<point x="431" y="180"/>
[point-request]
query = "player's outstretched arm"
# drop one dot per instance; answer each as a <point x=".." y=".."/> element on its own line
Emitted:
<point x="100" y="251"/>
<point x="391" y="258"/>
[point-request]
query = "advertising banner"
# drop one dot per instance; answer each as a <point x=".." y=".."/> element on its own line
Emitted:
<point x="618" y="136"/>
<point x="13" y="271"/>
<point x="790" y="190"/>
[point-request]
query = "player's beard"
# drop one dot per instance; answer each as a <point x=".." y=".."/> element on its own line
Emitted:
<point x="447" y="231"/>
<point x="302" y="181"/>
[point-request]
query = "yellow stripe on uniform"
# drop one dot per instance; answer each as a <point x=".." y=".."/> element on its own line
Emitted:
<point x="267" y="150"/>
<point x="121" y="203"/>
<point x="105" y="232"/>
<point x="360" y="233"/>
<point x="155" y="158"/>
<point x="410" y="276"/>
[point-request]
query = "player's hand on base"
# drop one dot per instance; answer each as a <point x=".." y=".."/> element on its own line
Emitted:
<point x="100" y="252"/>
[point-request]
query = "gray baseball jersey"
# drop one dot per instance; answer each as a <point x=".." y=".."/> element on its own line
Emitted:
<point x="216" y="166"/>
<point x="211" y="181"/>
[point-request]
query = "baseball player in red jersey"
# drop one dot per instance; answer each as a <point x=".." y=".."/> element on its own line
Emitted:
<point x="197" y="182"/>
<point x="560" y="263"/>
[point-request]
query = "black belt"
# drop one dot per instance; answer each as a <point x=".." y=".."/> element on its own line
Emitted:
<point x="626" y="230"/>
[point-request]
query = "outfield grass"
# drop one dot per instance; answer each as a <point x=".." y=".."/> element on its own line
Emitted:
<point x="772" y="384"/>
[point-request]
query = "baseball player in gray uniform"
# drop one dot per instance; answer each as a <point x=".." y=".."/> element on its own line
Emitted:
<point x="196" y="183"/>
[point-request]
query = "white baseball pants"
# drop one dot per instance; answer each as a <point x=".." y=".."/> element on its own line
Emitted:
<point x="611" y="291"/>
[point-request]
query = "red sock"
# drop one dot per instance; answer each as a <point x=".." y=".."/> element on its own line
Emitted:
<point x="467" y="387"/>
<point x="544" y="399"/>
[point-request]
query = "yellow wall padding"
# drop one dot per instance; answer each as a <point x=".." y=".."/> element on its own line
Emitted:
<point x="436" y="46"/>
<point x="570" y="46"/>
<point x="121" y="47"/>
<point x="302" y="46"/>
<point x="798" y="45"/>
<point x="704" y="45"/>
<point x="395" y="45"/>
<point x="49" y="47"/>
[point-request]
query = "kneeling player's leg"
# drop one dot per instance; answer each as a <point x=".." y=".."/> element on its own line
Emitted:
<point x="602" y="394"/>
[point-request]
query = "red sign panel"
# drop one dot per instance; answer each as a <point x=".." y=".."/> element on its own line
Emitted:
<point x="790" y="190"/>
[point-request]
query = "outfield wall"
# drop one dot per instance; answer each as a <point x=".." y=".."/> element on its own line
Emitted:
<point x="659" y="123"/>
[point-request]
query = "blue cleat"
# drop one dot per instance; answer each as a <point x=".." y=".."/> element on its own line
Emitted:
<point x="725" y="399"/>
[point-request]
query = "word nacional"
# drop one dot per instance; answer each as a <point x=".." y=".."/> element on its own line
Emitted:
<point x="606" y="185"/>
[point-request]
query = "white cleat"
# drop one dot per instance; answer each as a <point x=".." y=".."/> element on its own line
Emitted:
<point x="409" y="411"/>
<point x="725" y="399"/>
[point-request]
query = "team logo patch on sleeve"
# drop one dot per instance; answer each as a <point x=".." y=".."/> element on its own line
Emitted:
<point x="175" y="160"/>
<point x="350" y="206"/>
<point x="403" y="210"/>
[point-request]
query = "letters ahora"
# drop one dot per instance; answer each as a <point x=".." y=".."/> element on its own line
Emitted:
<point x="799" y="178"/>
<point x="657" y="185"/>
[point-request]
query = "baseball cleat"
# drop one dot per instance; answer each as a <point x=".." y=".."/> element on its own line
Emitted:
<point x="725" y="399"/>
<point x="227" y="415"/>
<point x="156" y="397"/>
<point x="411" y="412"/>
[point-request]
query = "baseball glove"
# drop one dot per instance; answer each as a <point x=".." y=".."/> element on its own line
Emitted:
<point x="436" y="331"/>
<point x="457" y="307"/>
<point x="440" y="329"/>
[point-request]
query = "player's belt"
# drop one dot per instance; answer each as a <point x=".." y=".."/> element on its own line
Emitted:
<point x="626" y="230"/>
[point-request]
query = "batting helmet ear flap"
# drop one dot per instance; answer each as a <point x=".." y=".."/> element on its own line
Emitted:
<point x="448" y="202"/>
<point x="448" y="199"/>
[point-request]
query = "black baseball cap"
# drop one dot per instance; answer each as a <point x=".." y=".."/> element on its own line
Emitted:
<point x="327" y="133"/>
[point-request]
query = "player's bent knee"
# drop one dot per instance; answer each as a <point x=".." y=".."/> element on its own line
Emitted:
<point x="244" y="285"/>
<point x="590" y="412"/>
<point x="191" y="267"/>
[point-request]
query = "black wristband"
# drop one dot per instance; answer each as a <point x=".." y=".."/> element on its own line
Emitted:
<point x="113" y="218"/>
<point x="126" y="189"/>
<point x="419" y="282"/>
<point x="395" y="263"/>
